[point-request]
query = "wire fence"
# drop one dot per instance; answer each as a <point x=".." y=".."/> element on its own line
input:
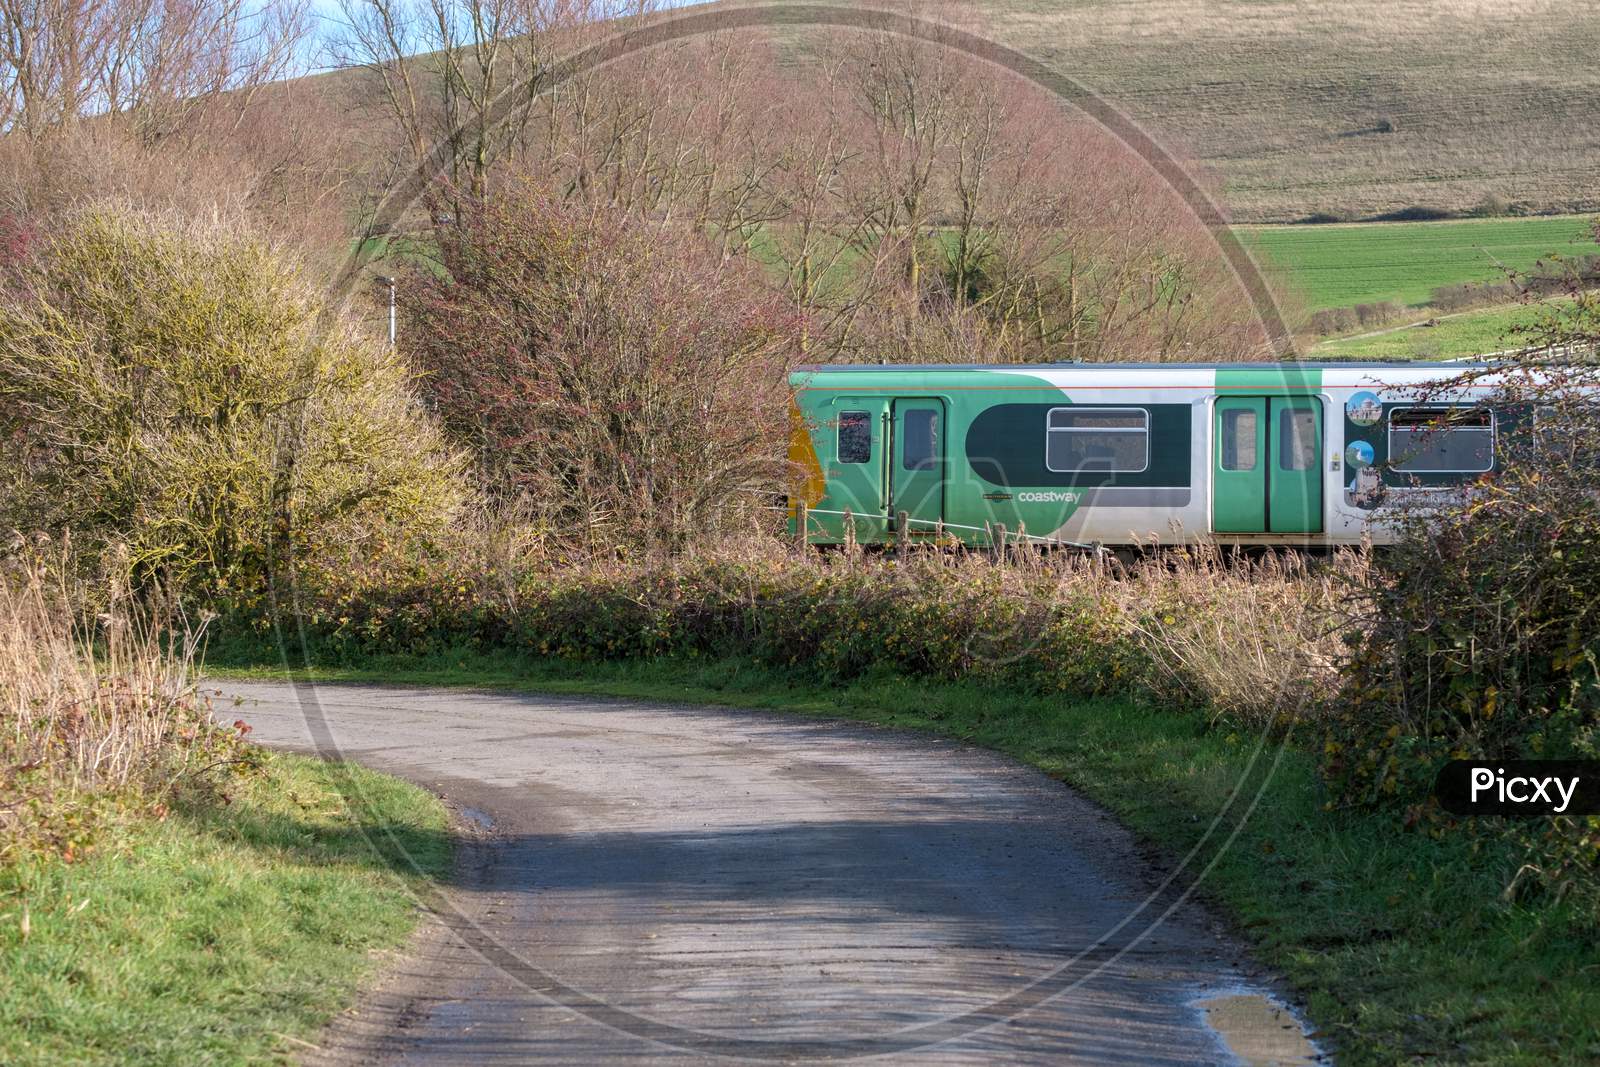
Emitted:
<point x="996" y="532"/>
<point x="1574" y="351"/>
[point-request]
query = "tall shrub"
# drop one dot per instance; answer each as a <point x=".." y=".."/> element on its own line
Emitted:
<point x="1484" y="619"/>
<point x="179" y="387"/>
<point x="624" y="378"/>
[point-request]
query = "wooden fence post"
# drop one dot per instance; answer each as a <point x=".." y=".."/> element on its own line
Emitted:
<point x="999" y="545"/>
<point x="902" y="532"/>
<point x="800" y="528"/>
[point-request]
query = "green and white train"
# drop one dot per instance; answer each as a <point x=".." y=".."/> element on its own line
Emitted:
<point x="1125" y="454"/>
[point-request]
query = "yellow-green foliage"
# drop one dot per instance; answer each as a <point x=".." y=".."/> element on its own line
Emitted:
<point x="181" y="387"/>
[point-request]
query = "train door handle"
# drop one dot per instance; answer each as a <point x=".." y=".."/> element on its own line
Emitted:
<point x="888" y="465"/>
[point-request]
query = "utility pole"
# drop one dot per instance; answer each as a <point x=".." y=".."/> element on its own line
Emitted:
<point x="388" y="279"/>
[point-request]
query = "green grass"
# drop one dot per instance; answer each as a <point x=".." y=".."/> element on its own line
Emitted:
<point x="399" y="252"/>
<point x="1400" y="944"/>
<point x="1470" y="333"/>
<point x="1345" y="264"/>
<point x="219" y="935"/>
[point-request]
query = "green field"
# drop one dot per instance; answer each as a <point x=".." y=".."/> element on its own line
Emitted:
<point x="1471" y="333"/>
<point x="224" y="935"/>
<point x="1343" y="264"/>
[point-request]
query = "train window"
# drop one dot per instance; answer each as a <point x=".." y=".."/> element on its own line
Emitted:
<point x="1297" y="440"/>
<point x="855" y="437"/>
<point x="1441" y="440"/>
<point x="920" y="449"/>
<point x="1114" y="440"/>
<point x="1238" y="439"/>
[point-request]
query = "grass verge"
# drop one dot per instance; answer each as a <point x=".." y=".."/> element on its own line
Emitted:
<point x="222" y="934"/>
<point x="1401" y="944"/>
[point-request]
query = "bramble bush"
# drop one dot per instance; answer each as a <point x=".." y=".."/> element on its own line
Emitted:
<point x="1482" y="625"/>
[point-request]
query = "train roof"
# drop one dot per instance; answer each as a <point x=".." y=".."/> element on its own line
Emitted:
<point x="1296" y="365"/>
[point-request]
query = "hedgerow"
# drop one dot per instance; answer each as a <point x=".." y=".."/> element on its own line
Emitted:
<point x="1481" y="637"/>
<point x="1202" y="632"/>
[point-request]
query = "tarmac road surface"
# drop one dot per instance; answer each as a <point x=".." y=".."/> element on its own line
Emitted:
<point x="645" y="883"/>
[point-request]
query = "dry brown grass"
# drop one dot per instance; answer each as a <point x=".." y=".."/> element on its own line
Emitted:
<point x="1258" y="642"/>
<point x="96" y="717"/>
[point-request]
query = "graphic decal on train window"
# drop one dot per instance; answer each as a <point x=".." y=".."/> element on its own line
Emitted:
<point x="1365" y="483"/>
<point x="1358" y="454"/>
<point x="1363" y="408"/>
<point x="1414" y="446"/>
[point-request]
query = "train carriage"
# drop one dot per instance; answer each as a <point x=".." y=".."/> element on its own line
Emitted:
<point x="1121" y="454"/>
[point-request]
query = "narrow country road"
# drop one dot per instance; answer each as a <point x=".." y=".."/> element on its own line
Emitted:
<point x="648" y="883"/>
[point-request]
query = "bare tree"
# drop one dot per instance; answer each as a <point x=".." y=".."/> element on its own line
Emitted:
<point x="619" y="375"/>
<point x="1037" y="235"/>
<point x="880" y="180"/>
<point x="465" y="74"/>
<point x="169" y="106"/>
<point x="65" y="61"/>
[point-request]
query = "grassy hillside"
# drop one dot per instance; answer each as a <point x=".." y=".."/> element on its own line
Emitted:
<point x="1356" y="109"/>
<point x="1360" y="107"/>
<point x="1336" y="266"/>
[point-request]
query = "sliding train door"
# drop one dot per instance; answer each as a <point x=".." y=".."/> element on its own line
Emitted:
<point x="1238" y="477"/>
<point x="1294" y="470"/>
<point x="1266" y="473"/>
<point x="917" y="467"/>
<point x="858" y="473"/>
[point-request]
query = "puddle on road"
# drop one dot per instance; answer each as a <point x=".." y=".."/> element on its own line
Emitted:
<point x="1258" y="1030"/>
<point x="478" y="818"/>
